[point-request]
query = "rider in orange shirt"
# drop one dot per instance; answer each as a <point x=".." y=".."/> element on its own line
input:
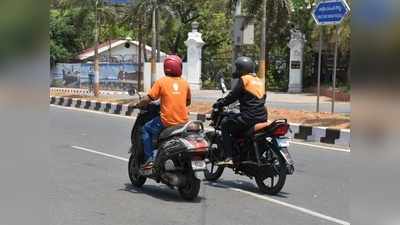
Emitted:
<point x="174" y="94"/>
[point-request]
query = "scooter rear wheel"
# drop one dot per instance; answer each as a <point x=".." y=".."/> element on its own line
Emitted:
<point x="191" y="190"/>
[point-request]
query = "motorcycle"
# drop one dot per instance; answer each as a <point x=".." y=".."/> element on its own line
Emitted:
<point x="260" y="153"/>
<point x="179" y="158"/>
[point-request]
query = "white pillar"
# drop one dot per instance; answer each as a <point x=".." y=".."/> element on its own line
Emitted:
<point x="194" y="44"/>
<point x="296" y="46"/>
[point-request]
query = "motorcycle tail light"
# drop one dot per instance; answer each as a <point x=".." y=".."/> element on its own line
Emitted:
<point x="281" y="130"/>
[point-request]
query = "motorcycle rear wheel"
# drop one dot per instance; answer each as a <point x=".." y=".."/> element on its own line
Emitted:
<point x="191" y="190"/>
<point x="280" y="169"/>
<point x="133" y="169"/>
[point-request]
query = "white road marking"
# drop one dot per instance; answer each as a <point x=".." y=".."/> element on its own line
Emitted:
<point x="321" y="146"/>
<point x="100" y="153"/>
<point x="288" y="205"/>
<point x="297" y="208"/>
<point x="91" y="111"/>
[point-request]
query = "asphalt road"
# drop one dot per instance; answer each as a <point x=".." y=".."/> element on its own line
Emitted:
<point x="94" y="188"/>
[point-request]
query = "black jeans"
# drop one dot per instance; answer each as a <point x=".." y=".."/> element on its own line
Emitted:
<point x="232" y="127"/>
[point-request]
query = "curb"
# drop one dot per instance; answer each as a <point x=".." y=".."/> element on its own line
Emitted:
<point x="85" y="91"/>
<point x="299" y="131"/>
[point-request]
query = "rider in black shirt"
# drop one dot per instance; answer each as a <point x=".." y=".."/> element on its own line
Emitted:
<point x="250" y="92"/>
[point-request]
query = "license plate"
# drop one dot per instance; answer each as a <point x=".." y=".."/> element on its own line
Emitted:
<point x="198" y="165"/>
<point x="282" y="142"/>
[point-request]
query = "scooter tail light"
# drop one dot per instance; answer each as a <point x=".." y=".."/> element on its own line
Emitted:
<point x="196" y="144"/>
<point x="200" y="144"/>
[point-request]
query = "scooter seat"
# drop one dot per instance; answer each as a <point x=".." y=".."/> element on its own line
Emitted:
<point x="171" y="131"/>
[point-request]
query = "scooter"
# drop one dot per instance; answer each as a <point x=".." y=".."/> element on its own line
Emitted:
<point x="179" y="158"/>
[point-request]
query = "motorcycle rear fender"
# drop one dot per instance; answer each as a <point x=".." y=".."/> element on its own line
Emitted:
<point x="283" y="152"/>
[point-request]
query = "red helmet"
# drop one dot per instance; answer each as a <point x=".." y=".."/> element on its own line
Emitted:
<point x="173" y="66"/>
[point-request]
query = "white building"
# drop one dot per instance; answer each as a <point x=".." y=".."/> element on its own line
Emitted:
<point x="121" y="51"/>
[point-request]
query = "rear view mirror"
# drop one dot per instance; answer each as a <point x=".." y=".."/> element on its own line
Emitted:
<point x="132" y="91"/>
<point x="222" y="85"/>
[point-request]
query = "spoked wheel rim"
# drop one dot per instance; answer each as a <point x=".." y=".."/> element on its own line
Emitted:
<point x="213" y="172"/>
<point x="211" y="166"/>
<point x="273" y="183"/>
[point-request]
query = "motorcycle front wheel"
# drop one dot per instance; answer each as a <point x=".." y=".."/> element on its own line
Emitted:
<point x="213" y="172"/>
<point x="133" y="169"/>
<point x="274" y="183"/>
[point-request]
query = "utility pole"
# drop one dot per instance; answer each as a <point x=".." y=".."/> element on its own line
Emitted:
<point x="153" y="47"/>
<point x="96" y="55"/>
<point x="262" y="63"/>
<point x="140" y="54"/>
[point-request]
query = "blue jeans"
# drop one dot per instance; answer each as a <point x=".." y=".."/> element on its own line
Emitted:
<point x="150" y="130"/>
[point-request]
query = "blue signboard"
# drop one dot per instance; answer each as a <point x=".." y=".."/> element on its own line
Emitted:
<point x="330" y="12"/>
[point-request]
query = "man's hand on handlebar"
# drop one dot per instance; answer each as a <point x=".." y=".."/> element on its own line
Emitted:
<point x="143" y="103"/>
<point x="218" y="104"/>
<point x="133" y="104"/>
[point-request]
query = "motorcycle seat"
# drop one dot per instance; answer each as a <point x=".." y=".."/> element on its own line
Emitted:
<point x="171" y="131"/>
<point x="257" y="128"/>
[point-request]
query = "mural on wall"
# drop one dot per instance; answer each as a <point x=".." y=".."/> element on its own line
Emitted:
<point x="71" y="74"/>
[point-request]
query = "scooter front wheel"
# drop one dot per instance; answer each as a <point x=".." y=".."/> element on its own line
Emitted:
<point x="133" y="169"/>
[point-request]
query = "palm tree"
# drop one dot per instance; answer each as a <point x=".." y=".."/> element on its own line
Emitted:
<point x="110" y="18"/>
